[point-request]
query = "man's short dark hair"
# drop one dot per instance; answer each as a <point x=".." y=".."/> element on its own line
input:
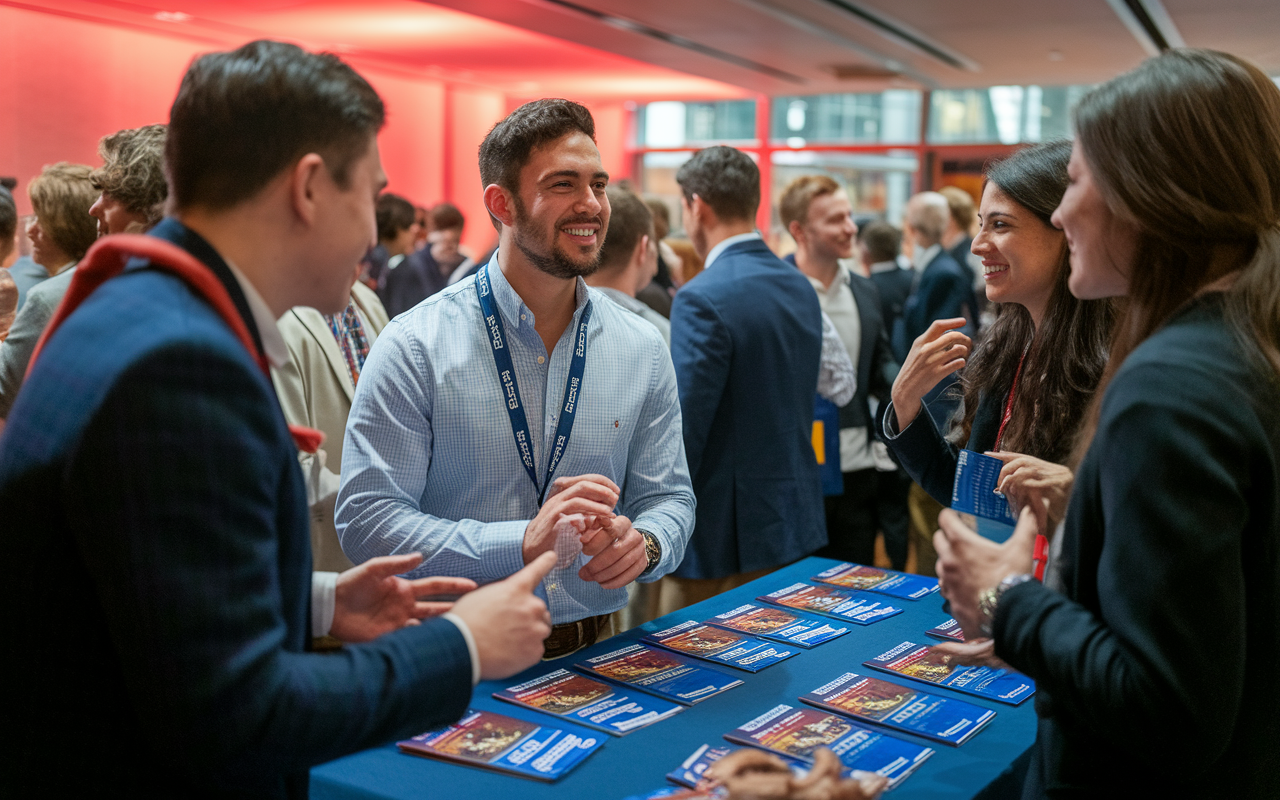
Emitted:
<point x="132" y="170"/>
<point x="629" y="219"/>
<point x="394" y="214"/>
<point x="510" y="143"/>
<point x="242" y="117"/>
<point x="883" y="241"/>
<point x="726" y="179"/>
<point x="446" y="217"/>
<point x="8" y="221"/>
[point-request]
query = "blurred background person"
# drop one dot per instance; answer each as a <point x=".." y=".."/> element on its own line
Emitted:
<point x="397" y="232"/>
<point x="658" y="292"/>
<point x="424" y="272"/>
<point x="61" y="232"/>
<point x="879" y="245"/>
<point x="690" y="265"/>
<point x="445" y="243"/>
<point x="130" y="180"/>
<point x="629" y="258"/>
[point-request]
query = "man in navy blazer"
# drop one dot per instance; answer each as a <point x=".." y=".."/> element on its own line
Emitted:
<point x="746" y="339"/>
<point x="163" y="601"/>
<point x="942" y="289"/>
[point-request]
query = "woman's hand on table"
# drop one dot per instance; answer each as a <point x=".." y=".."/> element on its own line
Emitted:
<point x="935" y="354"/>
<point x="978" y="653"/>
<point x="969" y="564"/>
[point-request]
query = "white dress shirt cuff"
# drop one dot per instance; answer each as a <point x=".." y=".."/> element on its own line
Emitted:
<point x="471" y="644"/>
<point x="324" y="588"/>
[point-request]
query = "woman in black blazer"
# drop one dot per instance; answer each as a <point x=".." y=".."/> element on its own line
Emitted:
<point x="1036" y="368"/>
<point x="1156" y="664"/>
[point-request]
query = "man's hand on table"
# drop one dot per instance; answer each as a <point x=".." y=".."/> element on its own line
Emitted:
<point x="372" y="599"/>
<point x="593" y="496"/>
<point x="507" y="622"/>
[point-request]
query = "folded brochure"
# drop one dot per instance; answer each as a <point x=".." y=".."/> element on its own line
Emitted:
<point x="721" y="646"/>
<point x="942" y="719"/>
<point x="798" y="732"/>
<point x="860" y="608"/>
<point x="658" y="671"/>
<point x="974" y="490"/>
<point x="486" y="739"/>
<point x="923" y="663"/>
<point x="779" y="625"/>
<point x="584" y="701"/>
<point x="949" y="631"/>
<point x="881" y="581"/>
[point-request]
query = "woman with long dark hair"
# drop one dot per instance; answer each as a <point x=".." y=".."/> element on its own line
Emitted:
<point x="1035" y="369"/>
<point x="1155" y="664"/>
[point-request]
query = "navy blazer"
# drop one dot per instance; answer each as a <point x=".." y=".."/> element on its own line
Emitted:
<point x="414" y="279"/>
<point x="944" y="291"/>
<point x="746" y="339"/>
<point x="894" y="287"/>
<point x="159" y="605"/>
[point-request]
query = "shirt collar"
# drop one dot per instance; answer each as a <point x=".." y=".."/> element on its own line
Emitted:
<point x="921" y="258"/>
<point x="510" y="303"/>
<point x="840" y="280"/>
<point x="726" y="244"/>
<point x="883" y="266"/>
<point x="272" y="342"/>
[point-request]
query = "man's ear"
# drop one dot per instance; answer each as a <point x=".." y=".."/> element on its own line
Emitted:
<point x="501" y="204"/>
<point x="304" y="185"/>
<point x="641" y="250"/>
<point x="796" y="230"/>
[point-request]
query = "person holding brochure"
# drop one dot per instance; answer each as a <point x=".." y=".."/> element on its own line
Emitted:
<point x="1161" y="649"/>
<point x="1034" y="371"/>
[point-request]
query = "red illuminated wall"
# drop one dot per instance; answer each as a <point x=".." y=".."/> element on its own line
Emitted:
<point x="65" y="83"/>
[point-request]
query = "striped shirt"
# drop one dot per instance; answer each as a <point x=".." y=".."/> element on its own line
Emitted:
<point x="430" y="465"/>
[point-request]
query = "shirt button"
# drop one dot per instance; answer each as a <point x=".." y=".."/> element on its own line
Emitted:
<point x="541" y="359"/>
<point x="522" y="316"/>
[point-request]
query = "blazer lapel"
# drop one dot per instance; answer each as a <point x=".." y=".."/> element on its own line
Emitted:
<point x="319" y="330"/>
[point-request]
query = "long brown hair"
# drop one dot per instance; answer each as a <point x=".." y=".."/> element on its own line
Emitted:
<point x="1186" y="148"/>
<point x="1066" y="357"/>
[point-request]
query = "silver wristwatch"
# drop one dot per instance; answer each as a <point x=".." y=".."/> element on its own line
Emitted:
<point x="990" y="599"/>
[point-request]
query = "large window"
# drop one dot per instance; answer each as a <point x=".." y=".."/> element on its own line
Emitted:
<point x="891" y="117"/>
<point x="676" y="124"/>
<point x="1004" y="114"/>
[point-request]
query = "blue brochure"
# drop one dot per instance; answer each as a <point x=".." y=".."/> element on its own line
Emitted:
<point x="882" y="581"/>
<point x="721" y="646"/>
<point x="974" y="491"/>
<point x="593" y="703"/>
<point x="655" y="670"/>
<point x="798" y="732"/>
<point x="857" y="607"/>
<point x="948" y="631"/>
<point x="943" y="719"/>
<point x="768" y="622"/>
<point x="486" y="739"/>
<point x="923" y="663"/>
<point x="695" y="766"/>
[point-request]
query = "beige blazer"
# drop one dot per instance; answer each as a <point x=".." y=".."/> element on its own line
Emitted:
<point x="315" y="390"/>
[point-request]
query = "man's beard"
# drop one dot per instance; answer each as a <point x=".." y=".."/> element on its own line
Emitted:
<point x="554" y="262"/>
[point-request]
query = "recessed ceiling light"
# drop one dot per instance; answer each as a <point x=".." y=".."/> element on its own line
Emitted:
<point x="172" y="16"/>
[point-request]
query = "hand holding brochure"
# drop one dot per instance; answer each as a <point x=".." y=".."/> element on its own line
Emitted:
<point x="778" y="625"/>
<point x="857" y="607"/>
<point x="660" y="672"/>
<point x="721" y="646"/>
<point x="490" y="740"/>
<point x="798" y="732"/>
<point x="940" y="718"/>
<point x="923" y="663"/>
<point x="881" y="581"/>
<point x="974" y="490"/>
<point x="584" y="701"/>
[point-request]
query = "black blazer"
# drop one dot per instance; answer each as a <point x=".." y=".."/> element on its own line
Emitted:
<point x="894" y="287"/>
<point x="1156" y="668"/>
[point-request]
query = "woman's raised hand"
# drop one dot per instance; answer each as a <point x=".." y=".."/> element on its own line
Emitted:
<point x="935" y="354"/>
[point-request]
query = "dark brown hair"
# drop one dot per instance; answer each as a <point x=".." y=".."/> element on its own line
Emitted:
<point x="1186" y="148"/>
<point x="242" y="117"/>
<point x="726" y="179"/>
<point x="629" y="219"/>
<point x="883" y="241"/>
<point x="132" y="171"/>
<point x="446" y="217"/>
<point x="393" y="214"/>
<point x="1066" y="356"/>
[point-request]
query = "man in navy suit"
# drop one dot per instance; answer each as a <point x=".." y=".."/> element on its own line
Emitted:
<point x="746" y="338"/>
<point x="942" y="289"/>
<point x="161" y="614"/>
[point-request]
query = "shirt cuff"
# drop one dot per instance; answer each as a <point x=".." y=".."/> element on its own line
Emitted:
<point x="324" y="589"/>
<point x="471" y="644"/>
<point x="887" y="428"/>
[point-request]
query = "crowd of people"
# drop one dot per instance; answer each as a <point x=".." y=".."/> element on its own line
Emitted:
<point x="290" y="470"/>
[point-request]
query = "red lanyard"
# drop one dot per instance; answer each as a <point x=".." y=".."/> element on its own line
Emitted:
<point x="1008" y="406"/>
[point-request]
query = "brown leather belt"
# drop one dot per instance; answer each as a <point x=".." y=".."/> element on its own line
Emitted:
<point x="572" y="636"/>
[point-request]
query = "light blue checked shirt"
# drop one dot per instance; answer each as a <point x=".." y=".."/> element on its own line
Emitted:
<point x="429" y="463"/>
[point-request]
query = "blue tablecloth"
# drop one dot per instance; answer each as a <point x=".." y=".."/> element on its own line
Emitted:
<point x="638" y="762"/>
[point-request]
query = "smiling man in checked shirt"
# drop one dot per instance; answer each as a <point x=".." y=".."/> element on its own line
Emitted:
<point x="493" y="409"/>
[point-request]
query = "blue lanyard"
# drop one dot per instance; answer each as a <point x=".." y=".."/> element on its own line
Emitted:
<point x="507" y="377"/>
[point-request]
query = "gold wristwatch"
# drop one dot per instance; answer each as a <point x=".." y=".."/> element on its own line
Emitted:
<point x="989" y="599"/>
<point x="652" y="551"/>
